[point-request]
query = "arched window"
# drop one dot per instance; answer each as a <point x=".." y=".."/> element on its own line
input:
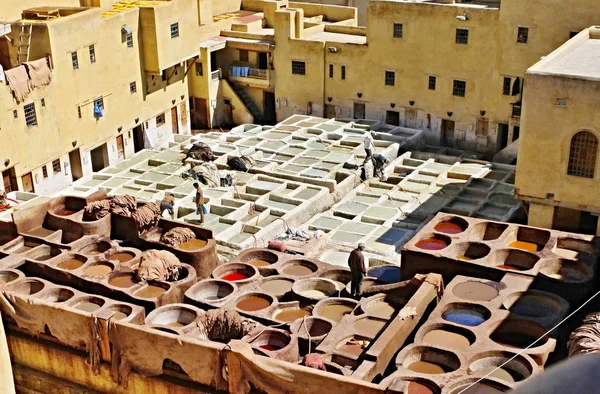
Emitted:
<point x="582" y="156"/>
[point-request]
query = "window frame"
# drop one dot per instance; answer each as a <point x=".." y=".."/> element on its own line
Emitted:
<point x="245" y="57"/>
<point x="199" y="69"/>
<point x="132" y="87"/>
<point x="462" y="36"/>
<point x="160" y="119"/>
<point x="45" y="171"/>
<point x="398" y="30"/>
<point x="459" y="85"/>
<point x="522" y="34"/>
<point x="506" y="89"/>
<point x="330" y="70"/>
<point x="129" y="40"/>
<point x="55" y="165"/>
<point x="174" y="30"/>
<point x="74" y="60"/>
<point x="31" y="118"/>
<point x="390" y="78"/>
<point x="343" y="72"/>
<point x="92" y="51"/>
<point x="298" y="67"/>
<point x="99" y="100"/>
<point x="432" y="82"/>
<point x="578" y="166"/>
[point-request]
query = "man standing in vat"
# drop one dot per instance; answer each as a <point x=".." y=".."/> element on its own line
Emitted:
<point x="368" y="144"/>
<point x="199" y="202"/>
<point x="356" y="261"/>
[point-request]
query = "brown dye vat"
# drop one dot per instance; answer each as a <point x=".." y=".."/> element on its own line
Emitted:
<point x="494" y="372"/>
<point x="418" y="388"/>
<point x="40" y="232"/>
<point x="528" y="246"/>
<point x="23" y="249"/>
<point x="426" y="367"/>
<point x="123" y="281"/>
<point x="44" y="257"/>
<point x="98" y="270"/>
<point x="446" y="339"/>
<point x="475" y="291"/>
<point x="121" y="257"/>
<point x="381" y="309"/>
<point x="477" y="388"/>
<point x="64" y="212"/>
<point x="150" y="291"/>
<point x="369" y="327"/>
<point x="193" y="244"/>
<point x="291" y="315"/>
<point x="351" y="348"/>
<point x="70" y="264"/>
<point x="515" y="340"/>
<point x="119" y="316"/>
<point x="176" y="324"/>
<point x="87" y="306"/>
<point x="297" y="270"/>
<point x="277" y="286"/>
<point x="335" y="312"/>
<point x="259" y="263"/>
<point x="252" y="304"/>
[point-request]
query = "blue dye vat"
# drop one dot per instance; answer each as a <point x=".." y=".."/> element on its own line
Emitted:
<point x="386" y="274"/>
<point x="466" y="317"/>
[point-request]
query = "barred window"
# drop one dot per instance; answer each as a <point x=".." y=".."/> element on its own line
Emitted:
<point x="398" y="27"/>
<point x="30" y="116"/>
<point x="45" y="171"/>
<point x="298" y="68"/>
<point x="175" y="30"/>
<point x="459" y="89"/>
<point x="462" y="36"/>
<point x="56" y="166"/>
<point x="390" y="78"/>
<point x="132" y="88"/>
<point x="199" y="71"/>
<point x="129" y="39"/>
<point x="506" y="86"/>
<point x="331" y="71"/>
<point x="582" y="155"/>
<point x="74" y="60"/>
<point x="160" y="119"/>
<point x="92" y="54"/>
<point x="343" y="72"/>
<point x="523" y="35"/>
<point x="432" y="82"/>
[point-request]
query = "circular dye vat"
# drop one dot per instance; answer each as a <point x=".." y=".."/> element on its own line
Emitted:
<point x="87" y="306"/>
<point x="369" y="327"/>
<point x="386" y="274"/>
<point x="448" y="228"/>
<point x="123" y="281"/>
<point x="466" y="317"/>
<point x="233" y="277"/>
<point x="252" y="304"/>
<point x="291" y="315"/>
<point x="494" y="372"/>
<point x="297" y="270"/>
<point x="351" y="348"/>
<point x="475" y="291"/>
<point x="259" y="263"/>
<point x="528" y="246"/>
<point x="150" y="291"/>
<point x="418" y="388"/>
<point x="381" y="309"/>
<point x="313" y="293"/>
<point x="446" y="339"/>
<point x="477" y="388"/>
<point x="335" y="312"/>
<point x="426" y="367"/>
<point x="193" y="244"/>
<point x="270" y="348"/>
<point x="122" y="257"/>
<point x="516" y="340"/>
<point x="119" y="316"/>
<point x="98" y="270"/>
<point x="64" y="212"/>
<point x="277" y="287"/>
<point x="431" y="244"/>
<point x="70" y="264"/>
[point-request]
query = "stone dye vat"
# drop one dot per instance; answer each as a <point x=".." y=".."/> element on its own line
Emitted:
<point x="561" y="263"/>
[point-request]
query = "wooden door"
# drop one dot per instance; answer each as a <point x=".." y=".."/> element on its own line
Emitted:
<point x="174" y="120"/>
<point x="329" y="111"/>
<point x="448" y="133"/>
<point x="183" y="110"/>
<point x="200" y="118"/>
<point x="392" y="117"/>
<point x="27" y="183"/>
<point x="482" y="126"/>
<point x="410" y="118"/>
<point x="10" y="181"/>
<point x="120" y="147"/>
<point x="359" y="110"/>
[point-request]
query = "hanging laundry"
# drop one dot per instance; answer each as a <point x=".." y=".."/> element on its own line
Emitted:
<point x="97" y="110"/>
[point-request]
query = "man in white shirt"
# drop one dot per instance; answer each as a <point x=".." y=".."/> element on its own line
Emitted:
<point x="369" y="145"/>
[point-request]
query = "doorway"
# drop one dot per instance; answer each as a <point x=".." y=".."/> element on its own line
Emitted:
<point x="410" y="118"/>
<point x="10" y="180"/>
<point x="502" y="139"/>
<point x="482" y="126"/>
<point x="359" y="110"/>
<point x="392" y="117"/>
<point x="447" y="133"/>
<point x="174" y="121"/>
<point x="329" y="111"/>
<point x="516" y="132"/>
<point x="75" y="163"/>
<point x="263" y="62"/>
<point x="120" y="148"/>
<point x="200" y="114"/>
<point x="269" y="114"/>
<point x="138" y="138"/>
<point x="99" y="158"/>
<point x="27" y="180"/>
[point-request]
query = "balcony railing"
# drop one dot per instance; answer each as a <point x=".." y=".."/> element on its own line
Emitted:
<point x="248" y="72"/>
<point x="215" y="75"/>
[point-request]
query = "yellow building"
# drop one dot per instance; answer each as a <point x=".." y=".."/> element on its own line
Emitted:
<point x="558" y="172"/>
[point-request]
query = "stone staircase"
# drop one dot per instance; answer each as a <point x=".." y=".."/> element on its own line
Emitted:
<point x="248" y="102"/>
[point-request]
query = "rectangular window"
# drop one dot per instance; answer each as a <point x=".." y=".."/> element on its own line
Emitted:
<point x="432" y="82"/>
<point x="506" y="86"/>
<point x="462" y="36"/>
<point x="160" y="119"/>
<point x="175" y="30"/>
<point x="92" y="54"/>
<point x="129" y="39"/>
<point x="331" y="71"/>
<point x="100" y="102"/>
<point x="79" y="111"/>
<point x="74" y="60"/>
<point x="390" y="78"/>
<point x="30" y="117"/>
<point x="56" y="166"/>
<point x="43" y="102"/>
<point x="460" y="88"/>
<point x="15" y="114"/>
<point x="398" y="30"/>
<point x="298" y="68"/>
<point x="199" y="71"/>
<point x="132" y="88"/>
<point x="523" y="35"/>
<point x="243" y="55"/>
<point x="45" y="171"/>
<point x="343" y="72"/>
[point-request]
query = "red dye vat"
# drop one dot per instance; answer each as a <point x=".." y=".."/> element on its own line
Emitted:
<point x="270" y="348"/>
<point x="448" y="228"/>
<point x="64" y="212"/>
<point x="234" y="277"/>
<point x="431" y="244"/>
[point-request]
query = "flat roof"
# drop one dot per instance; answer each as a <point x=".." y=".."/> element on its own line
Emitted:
<point x="338" y="37"/>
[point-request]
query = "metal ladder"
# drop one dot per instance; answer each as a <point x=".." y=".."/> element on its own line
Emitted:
<point x="24" y="43"/>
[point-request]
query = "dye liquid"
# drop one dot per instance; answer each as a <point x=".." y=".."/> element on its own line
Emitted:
<point x="98" y="270"/>
<point x="290" y="316"/>
<point x="121" y="257"/>
<point x="193" y="244"/>
<point x="528" y="246"/>
<point x="313" y="293"/>
<point x="234" y="277"/>
<point x="426" y="367"/>
<point x="270" y="348"/>
<point x="466" y="317"/>
<point x="418" y="388"/>
<point x="381" y="309"/>
<point x="277" y="286"/>
<point x="511" y="267"/>
<point x="176" y="324"/>
<point x="335" y="312"/>
<point x="446" y="339"/>
<point x="297" y="270"/>
<point x="150" y="291"/>
<point x="351" y="348"/>
<point x="123" y="281"/>
<point x="87" y="306"/>
<point x="64" y="212"/>
<point x="259" y="263"/>
<point x="448" y="228"/>
<point x="499" y="373"/>
<point x="252" y="304"/>
<point x="431" y="244"/>
<point x="70" y="264"/>
<point x="475" y="291"/>
<point x="119" y="316"/>
<point x="478" y="388"/>
<point x="369" y="327"/>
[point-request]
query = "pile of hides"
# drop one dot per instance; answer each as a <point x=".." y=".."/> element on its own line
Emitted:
<point x="158" y="265"/>
<point x="586" y="339"/>
<point x="147" y="216"/>
<point x="176" y="236"/>
<point x="27" y="77"/>
<point x="223" y="325"/>
<point x="242" y="163"/>
<point x="120" y="205"/>
<point x="206" y="173"/>
<point x="294" y="234"/>
<point x="314" y="360"/>
<point x="200" y="151"/>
